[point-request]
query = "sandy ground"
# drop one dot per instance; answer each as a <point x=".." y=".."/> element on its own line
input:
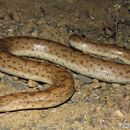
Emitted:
<point x="95" y="105"/>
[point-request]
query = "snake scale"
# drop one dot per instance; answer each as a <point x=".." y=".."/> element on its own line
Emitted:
<point x="63" y="87"/>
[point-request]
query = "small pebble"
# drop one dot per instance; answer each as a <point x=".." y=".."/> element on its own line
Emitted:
<point x="8" y="81"/>
<point x="85" y="79"/>
<point x="119" y="113"/>
<point x="44" y="86"/>
<point x="115" y="85"/>
<point x="39" y="87"/>
<point x="32" y="83"/>
<point x="1" y="74"/>
<point x="95" y="81"/>
<point x="15" y="78"/>
<point x="80" y="119"/>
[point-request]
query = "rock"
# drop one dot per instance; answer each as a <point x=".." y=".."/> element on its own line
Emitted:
<point x="15" y="78"/>
<point x="18" y="85"/>
<point x="1" y="74"/>
<point x="119" y="113"/>
<point x="83" y="78"/>
<point x="32" y="83"/>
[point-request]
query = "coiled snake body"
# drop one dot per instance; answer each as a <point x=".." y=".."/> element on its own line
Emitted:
<point x="61" y="80"/>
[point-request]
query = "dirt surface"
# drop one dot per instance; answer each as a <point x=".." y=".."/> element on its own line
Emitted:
<point x="95" y="105"/>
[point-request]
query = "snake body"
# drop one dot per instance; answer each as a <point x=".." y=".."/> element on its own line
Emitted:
<point x="108" y="51"/>
<point x="61" y="80"/>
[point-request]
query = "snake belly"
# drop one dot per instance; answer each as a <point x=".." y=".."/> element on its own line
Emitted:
<point x="62" y="81"/>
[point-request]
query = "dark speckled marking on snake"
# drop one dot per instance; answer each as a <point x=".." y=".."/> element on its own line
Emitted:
<point x="11" y="48"/>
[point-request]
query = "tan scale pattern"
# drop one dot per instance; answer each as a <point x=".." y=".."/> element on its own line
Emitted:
<point x="111" y="52"/>
<point x="62" y="82"/>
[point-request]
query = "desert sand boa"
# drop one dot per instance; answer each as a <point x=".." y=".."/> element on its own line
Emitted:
<point x="61" y="80"/>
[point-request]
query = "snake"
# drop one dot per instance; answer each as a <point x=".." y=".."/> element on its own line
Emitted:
<point x="106" y="51"/>
<point x="59" y="61"/>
